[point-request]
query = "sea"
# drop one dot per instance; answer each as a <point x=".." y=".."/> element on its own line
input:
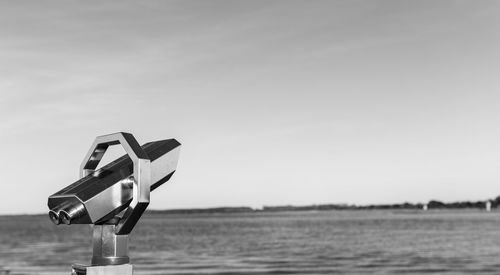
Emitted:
<point x="322" y="242"/>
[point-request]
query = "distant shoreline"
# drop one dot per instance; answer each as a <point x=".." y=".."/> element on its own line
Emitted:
<point x="431" y="205"/>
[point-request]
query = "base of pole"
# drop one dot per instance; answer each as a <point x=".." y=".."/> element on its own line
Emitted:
<point x="123" y="269"/>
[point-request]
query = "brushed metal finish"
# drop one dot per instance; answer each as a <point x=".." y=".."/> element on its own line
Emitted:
<point x="114" y="197"/>
<point x="108" y="191"/>
<point x="109" y="248"/>
<point x="141" y="175"/>
<point x="124" y="269"/>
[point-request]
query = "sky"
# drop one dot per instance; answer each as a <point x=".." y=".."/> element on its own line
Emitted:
<point x="274" y="102"/>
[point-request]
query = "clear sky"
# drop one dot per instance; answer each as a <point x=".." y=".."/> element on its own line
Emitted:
<point x="275" y="102"/>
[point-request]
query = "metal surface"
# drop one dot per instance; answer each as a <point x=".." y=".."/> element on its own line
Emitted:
<point x="106" y="192"/>
<point x="124" y="269"/>
<point x="109" y="248"/>
<point x="141" y="174"/>
<point x="114" y="197"/>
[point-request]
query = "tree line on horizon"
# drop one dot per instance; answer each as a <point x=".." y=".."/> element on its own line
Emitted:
<point x="432" y="204"/>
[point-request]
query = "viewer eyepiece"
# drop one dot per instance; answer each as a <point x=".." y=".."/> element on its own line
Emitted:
<point x="72" y="212"/>
<point x="54" y="217"/>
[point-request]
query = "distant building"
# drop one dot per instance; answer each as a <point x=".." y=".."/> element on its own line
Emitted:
<point x="425" y="207"/>
<point x="488" y="206"/>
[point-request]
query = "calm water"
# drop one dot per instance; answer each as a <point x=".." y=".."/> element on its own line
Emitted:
<point x="333" y="242"/>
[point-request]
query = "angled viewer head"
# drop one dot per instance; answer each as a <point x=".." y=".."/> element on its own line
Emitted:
<point x="118" y="193"/>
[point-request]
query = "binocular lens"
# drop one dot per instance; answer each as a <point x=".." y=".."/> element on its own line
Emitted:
<point x="64" y="217"/>
<point x="66" y="213"/>
<point x="54" y="217"/>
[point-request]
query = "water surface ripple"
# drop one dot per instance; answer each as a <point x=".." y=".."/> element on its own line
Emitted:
<point x="328" y="242"/>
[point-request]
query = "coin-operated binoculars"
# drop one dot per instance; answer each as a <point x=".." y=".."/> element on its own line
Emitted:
<point x="113" y="198"/>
